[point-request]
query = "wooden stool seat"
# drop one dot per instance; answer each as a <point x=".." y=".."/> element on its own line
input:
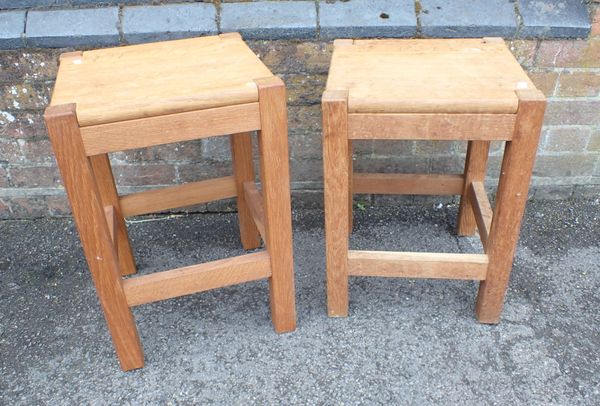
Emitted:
<point x="144" y="95"/>
<point x="427" y="76"/>
<point x="148" y="80"/>
<point x="456" y="89"/>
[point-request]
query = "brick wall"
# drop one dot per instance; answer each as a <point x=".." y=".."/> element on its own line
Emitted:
<point x="567" y="71"/>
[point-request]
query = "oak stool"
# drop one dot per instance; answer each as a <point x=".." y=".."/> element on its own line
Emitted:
<point x="140" y="96"/>
<point x="456" y="89"/>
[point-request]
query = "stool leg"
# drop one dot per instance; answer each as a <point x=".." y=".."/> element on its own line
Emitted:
<point x="84" y="197"/>
<point x="243" y="170"/>
<point x="475" y="167"/>
<point x="108" y="193"/>
<point x="511" y="197"/>
<point x="336" y="185"/>
<point x="275" y="175"/>
<point x="350" y="194"/>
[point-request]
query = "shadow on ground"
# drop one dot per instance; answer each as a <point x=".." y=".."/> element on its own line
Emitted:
<point x="406" y="341"/>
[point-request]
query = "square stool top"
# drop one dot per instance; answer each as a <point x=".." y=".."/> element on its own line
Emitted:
<point x="124" y="83"/>
<point x="427" y="75"/>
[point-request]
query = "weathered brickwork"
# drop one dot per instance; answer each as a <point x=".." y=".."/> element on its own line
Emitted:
<point x="567" y="71"/>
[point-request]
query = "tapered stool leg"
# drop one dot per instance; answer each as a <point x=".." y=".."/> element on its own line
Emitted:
<point x="475" y="168"/>
<point x="243" y="170"/>
<point x="350" y="192"/>
<point x="108" y="194"/>
<point x="86" y="204"/>
<point x="336" y="186"/>
<point x="275" y="177"/>
<point x="511" y="197"/>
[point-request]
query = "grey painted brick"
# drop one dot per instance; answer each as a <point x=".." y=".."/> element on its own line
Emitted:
<point x="65" y="28"/>
<point x="270" y="19"/>
<point x="12" y="25"/>
<point x="152" y="23"/>
<point x="475" y="18"/>
<point x="367" y="18"/>
<point x="554" y="19"/>
<point x="14" y="4"/>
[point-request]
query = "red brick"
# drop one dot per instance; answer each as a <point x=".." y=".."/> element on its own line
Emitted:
<point x="25" y="125"/>
<point x="565" y="165"/>
<point x="304" y="89"/>
<point x="305" y="118"/>
<point x="37" y="176"/>
<point x="19" y="65"/>
<point x="290" y="57"/>
<point x="203" y="170"/>
<point x="573" y="112"/>
<point x="524" y="51"/>
<point x="10" y="151"/>
<point x="574" y="84"/>
<point x="181" y="152"/>
<point x="572" y="139"/>
<point x="544" y="81"/>
<point x="395" y="148"/>
<point x="595" y="22"/>
<point x="594" y="144"/>
<point x="405" y="164"/>
<point x="27" y="207"/>
<point x="4" y="178"/>
<point x="425" y="148"/>
<point x="4" y="210"/>
<point x="25" y="96"/>
<point x="216" y="149"/>
<point x="569" y="53"/>
<point x="307" y="170"/>
<point x="37" y="151"/>
<point x="58" y="205"/>
<point x="141" y="175"/>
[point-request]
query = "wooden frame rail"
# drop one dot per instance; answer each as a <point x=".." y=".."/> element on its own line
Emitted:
<point x="449" y="127"/>
<point x="255" y="204"/>
<point x="407" y="184"/>
<point x="152" y="201"/>
<point x="482" y="210"/>
<point x="151" y="131"/>
<point x="196" y="278"/>
<point x="111" y="221"/>
<point x="417" y="265"/>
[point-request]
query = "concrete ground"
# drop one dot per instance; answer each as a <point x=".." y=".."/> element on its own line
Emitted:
<point x="405" y="342"/>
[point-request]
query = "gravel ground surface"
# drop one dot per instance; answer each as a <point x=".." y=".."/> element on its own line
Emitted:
<point x="405" y="342"/>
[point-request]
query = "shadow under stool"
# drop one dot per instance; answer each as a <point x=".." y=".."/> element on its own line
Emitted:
<point x="435" y="89"/>
<point x="139" y="96"/>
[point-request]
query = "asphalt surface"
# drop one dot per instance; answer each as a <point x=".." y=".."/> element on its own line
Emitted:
<point x="405" y="342"/>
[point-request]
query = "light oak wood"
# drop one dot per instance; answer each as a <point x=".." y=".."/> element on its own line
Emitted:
<point x="108" y="195"/>
<point x="125" y="83"/>
<point x="417" y="265"/>
<point x="460" y="89"/>
<point x="350" y="187"/>
<point x="407" y="184"/>
<point x="193" y="125"/>
<point x="275" y="175"/>
<point x="243" y="171"/>
<point x="482" y="210"/>
<point x="172" y="197"/>
<point x="511" y="198"/>
<point x="254" y="202"/>
<point x="440" y="127"/>
<point x="427" y="76"/>
<point x="336" y="187"/>
<point x="475" y="168"/>
<point x="196" y="278"/>
<point x="88" y="212"/>
<point x="111" y="221"/>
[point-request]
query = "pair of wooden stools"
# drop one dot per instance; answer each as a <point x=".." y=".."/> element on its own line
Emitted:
<point x="139" y="96"/>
